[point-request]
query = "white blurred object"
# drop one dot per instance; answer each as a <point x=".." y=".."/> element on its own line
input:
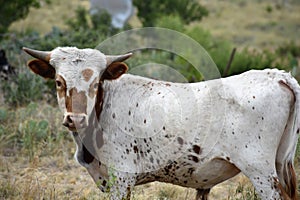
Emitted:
<point x="120" y="10"/>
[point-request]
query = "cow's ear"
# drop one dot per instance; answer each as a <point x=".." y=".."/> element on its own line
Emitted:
<point x="114" y="70"/>
<point x="42" y="68"/>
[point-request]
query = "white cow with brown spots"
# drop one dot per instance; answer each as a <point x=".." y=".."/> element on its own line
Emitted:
<point x="132" y="130"/>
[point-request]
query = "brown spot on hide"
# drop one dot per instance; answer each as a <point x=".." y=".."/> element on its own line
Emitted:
<point x="196" y="149"/>
<point x="193" y="158"/>
<point x="180" y="140"/>
<point x="76" y="102"/>
<point x="87" y="74"/>
<point x="93" y="88"/>
<point x="99" y="101"/>
<point x="135" y="149"/>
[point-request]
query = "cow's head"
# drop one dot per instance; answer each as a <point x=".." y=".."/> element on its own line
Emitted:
<point x="78" y="74"/>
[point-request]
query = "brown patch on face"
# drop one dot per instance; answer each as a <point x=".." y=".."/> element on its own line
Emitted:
<point x="60" y="86"/>
<point x="99" y="101"/>
<point x="76" y="102"/>
<point x="93" y="88"/>
<point x="87" y="74"/>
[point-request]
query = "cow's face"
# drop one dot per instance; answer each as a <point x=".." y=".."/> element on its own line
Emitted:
<point x="78" y="74"/>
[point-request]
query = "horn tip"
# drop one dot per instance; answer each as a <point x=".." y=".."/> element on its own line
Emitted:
<point x="27" y="50"/>
<point x="24" y="48"/>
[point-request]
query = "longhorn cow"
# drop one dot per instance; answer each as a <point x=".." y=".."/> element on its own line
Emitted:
<point x="133" y="130"/>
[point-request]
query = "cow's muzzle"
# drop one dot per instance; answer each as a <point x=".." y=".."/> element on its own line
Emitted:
<point x="75" y="121"/>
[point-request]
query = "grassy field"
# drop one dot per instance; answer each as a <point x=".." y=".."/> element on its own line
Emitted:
<point x="257" y="23"/>
<point x="36" y="152"/>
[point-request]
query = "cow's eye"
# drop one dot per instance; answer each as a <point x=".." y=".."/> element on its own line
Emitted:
<point x="58" y="84"/>
<point x="96" y="86"/>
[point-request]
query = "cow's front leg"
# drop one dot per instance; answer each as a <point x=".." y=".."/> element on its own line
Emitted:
<point x="121" y="187"/>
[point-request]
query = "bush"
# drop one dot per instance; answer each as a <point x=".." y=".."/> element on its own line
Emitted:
<point x="289" y="49"/>
<point x="244" y="59"/>
<point x="173" y="22"/>
<point x="24" y="88"/>
<point x="151" y="11"/>
<point x="14" y="10"/>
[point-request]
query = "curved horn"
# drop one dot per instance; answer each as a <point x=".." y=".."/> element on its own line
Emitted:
<point x="118" y="58"/>
<point x="42" y="55"/>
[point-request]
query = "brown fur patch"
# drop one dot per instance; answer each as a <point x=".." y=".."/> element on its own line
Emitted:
<point x="61" y="91"/>
<point x="87" y="74"/>
<point x="292" y="185"/>
<point x="76" y="102"/>
<point x="281" y="190"/>
<point x="92" y="90"/>
<point x="99" y="101"/>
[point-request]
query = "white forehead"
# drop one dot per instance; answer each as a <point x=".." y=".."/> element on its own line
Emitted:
<point x="69" y="62"/>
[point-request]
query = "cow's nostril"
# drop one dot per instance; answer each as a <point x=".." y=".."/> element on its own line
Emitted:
<point x="82" y="120"/>
<point x="69" y="119"/>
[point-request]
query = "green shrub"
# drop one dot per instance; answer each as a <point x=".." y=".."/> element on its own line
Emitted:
<point x="24" y="88"/>
<point x="269" y="8"/>
<point x="3" y="114"/>
<point x="33" y="132"/>
<point x="172" y="22"/>
<point x="289" y="49"/>
<point x="35" y="129"/>
<point x="151" y="11"/>
<point x="246" y="60"/>
<point x="202" y="36"/>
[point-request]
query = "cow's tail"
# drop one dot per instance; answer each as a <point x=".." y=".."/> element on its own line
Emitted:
<point x="288" y="143"/>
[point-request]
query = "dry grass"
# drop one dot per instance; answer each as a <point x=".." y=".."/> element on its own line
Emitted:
<point x="61" y="177"/>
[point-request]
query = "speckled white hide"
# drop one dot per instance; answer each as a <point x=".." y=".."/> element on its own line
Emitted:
<point x="194" y="135"/>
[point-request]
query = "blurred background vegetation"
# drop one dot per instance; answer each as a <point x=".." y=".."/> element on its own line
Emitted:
<point x="265" y="34"/>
